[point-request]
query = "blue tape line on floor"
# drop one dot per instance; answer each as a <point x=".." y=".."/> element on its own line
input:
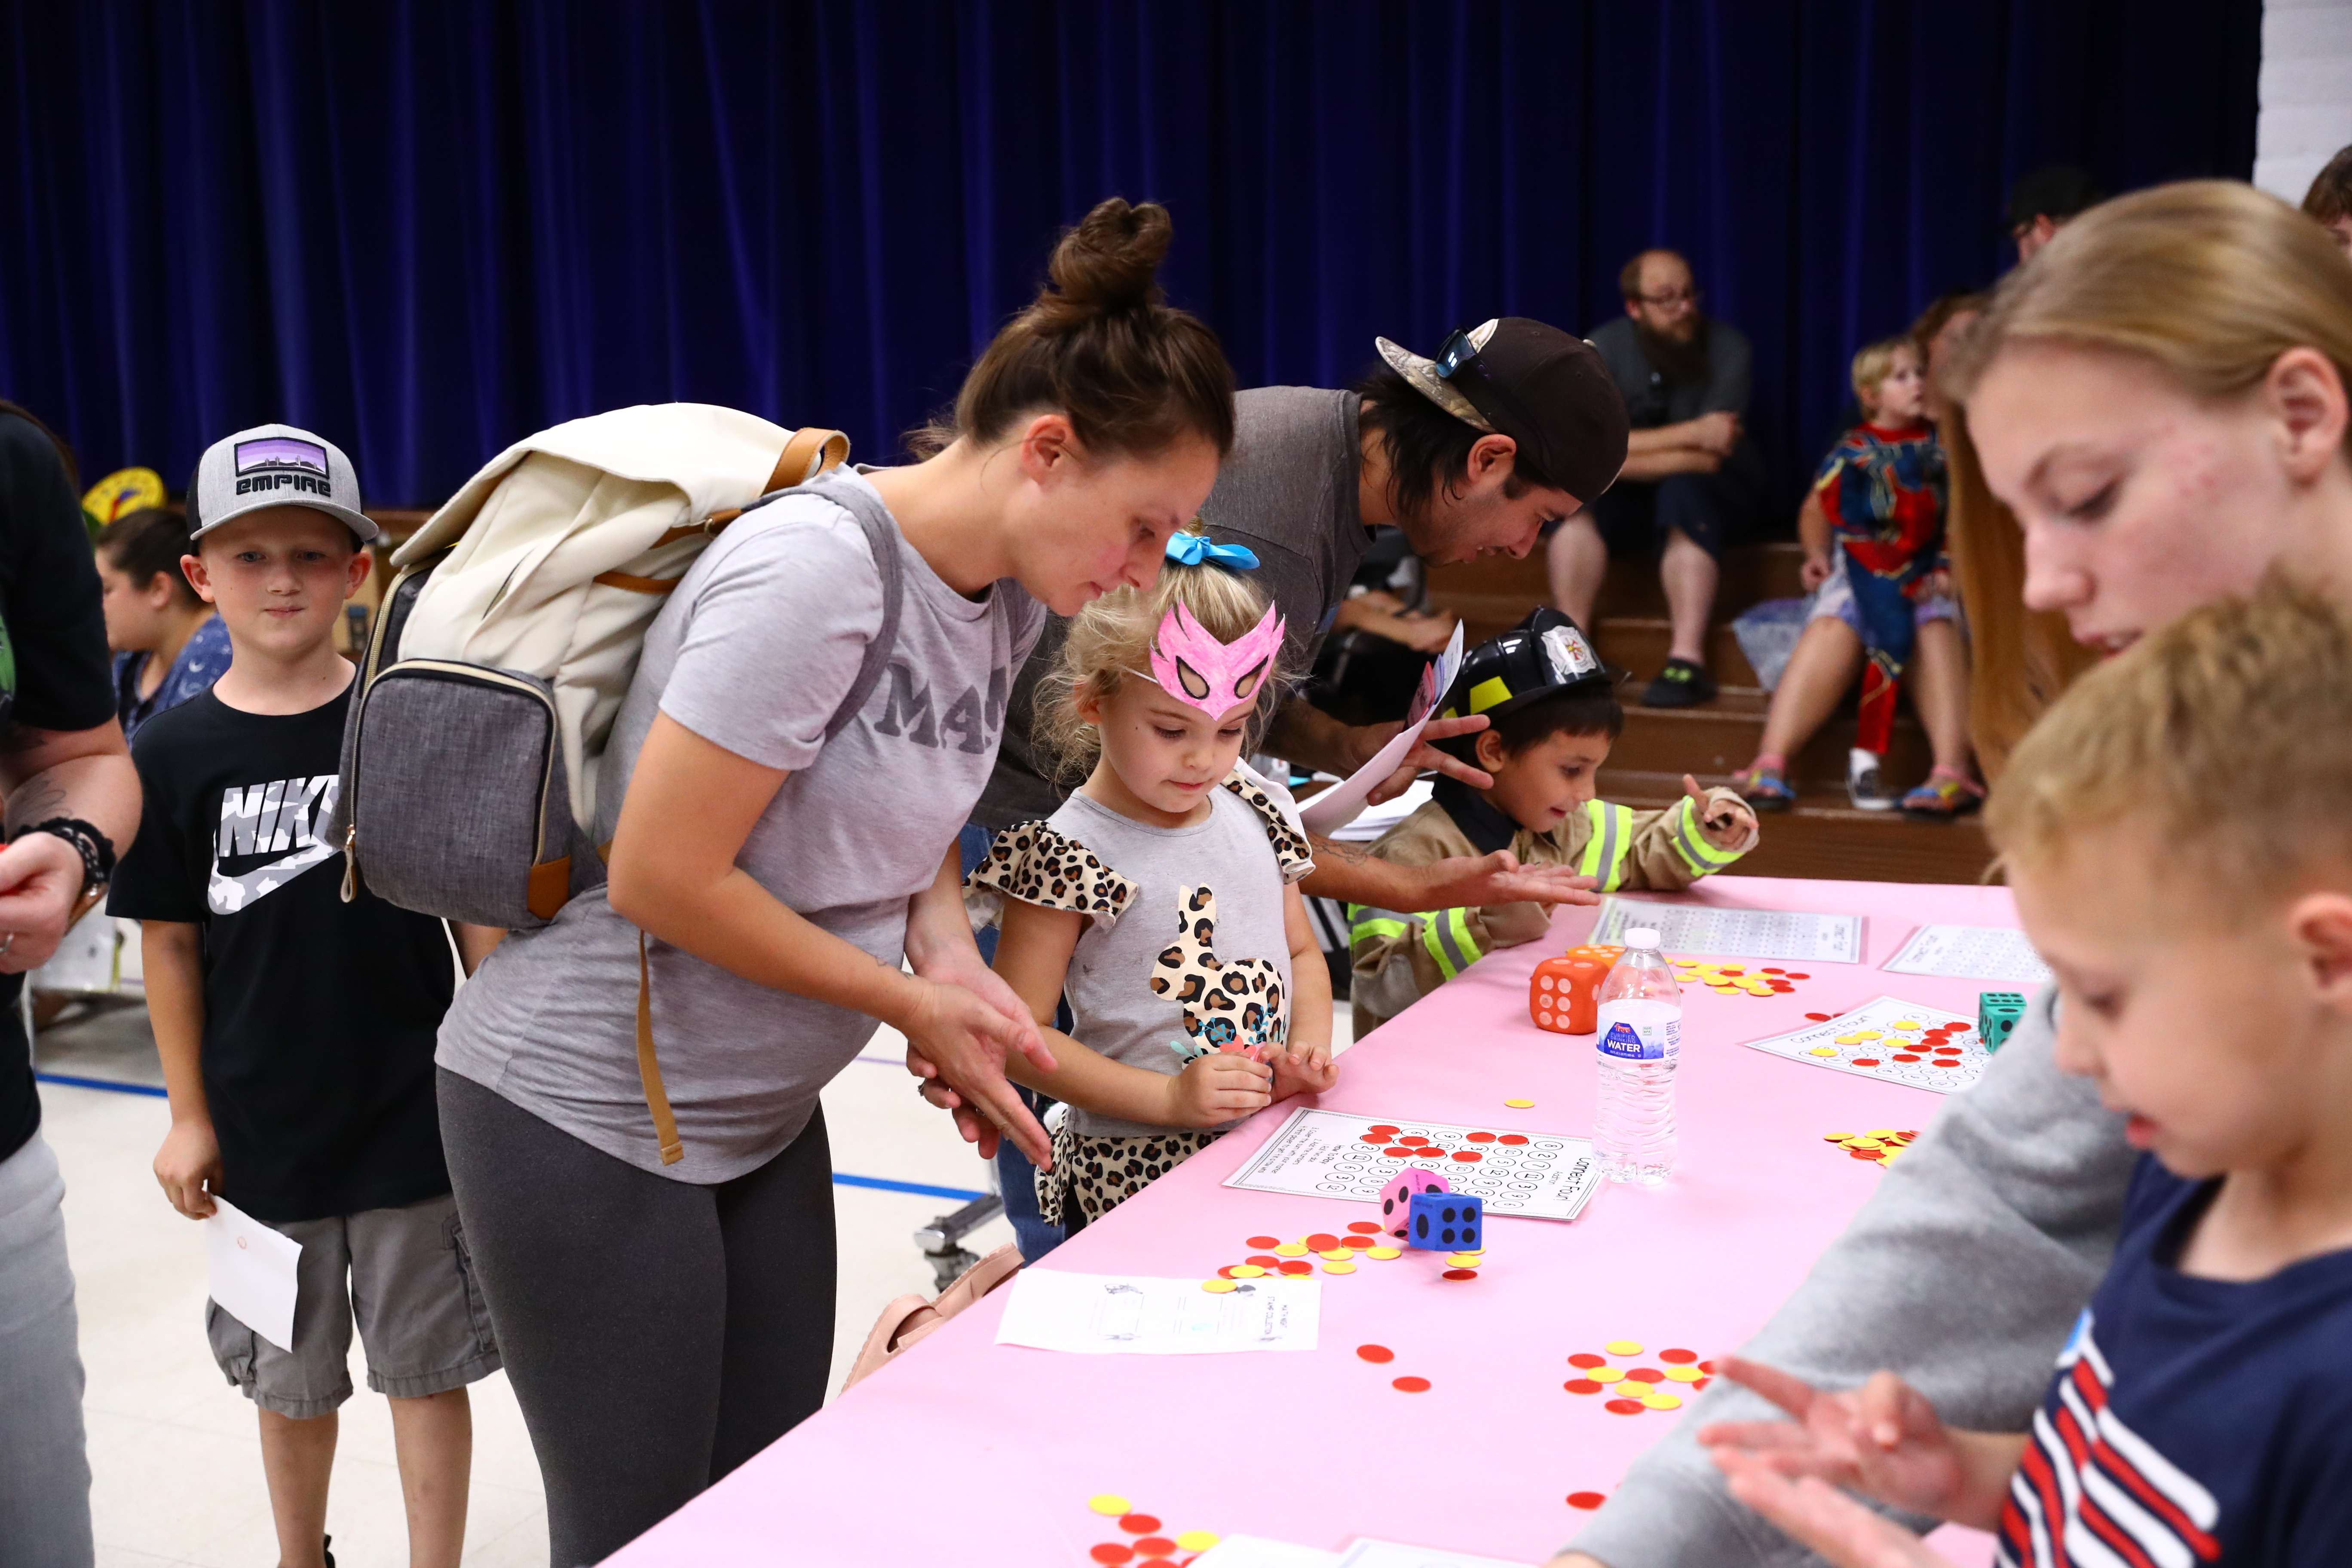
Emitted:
<point x="884" y="1183"/>
<point x="879" y="1183"/>
<point x="105" y="1083"/>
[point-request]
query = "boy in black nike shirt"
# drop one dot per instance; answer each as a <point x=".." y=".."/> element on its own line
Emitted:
<point x="297" y="1030"/>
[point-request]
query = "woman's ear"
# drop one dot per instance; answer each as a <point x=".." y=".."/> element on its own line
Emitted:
<point x="1048" y="447"/>
<point x="2304" y="393"/>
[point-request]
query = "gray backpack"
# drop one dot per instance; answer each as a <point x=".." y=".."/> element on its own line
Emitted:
<point x="455" y="799"/>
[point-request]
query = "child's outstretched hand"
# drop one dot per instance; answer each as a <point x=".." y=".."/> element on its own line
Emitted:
<point x="1303" y="1069"/>
<point x="1217" y="1087"/>
<point x="1883" y="1438"/>
<point x="1727" y="822"/>
<point x="1823" y="1518"/>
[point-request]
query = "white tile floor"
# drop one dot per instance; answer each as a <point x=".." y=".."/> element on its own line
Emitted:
<point x="174" y="1448"/>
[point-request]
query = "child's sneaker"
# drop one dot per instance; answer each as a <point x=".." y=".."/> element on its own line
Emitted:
<point x="1944" y="795"/>
<point x="1765" y="787"/>
<point x="1862" y="782"/>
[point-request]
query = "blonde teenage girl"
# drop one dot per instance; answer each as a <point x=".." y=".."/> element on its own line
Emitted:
<point x="1160" y="897"/>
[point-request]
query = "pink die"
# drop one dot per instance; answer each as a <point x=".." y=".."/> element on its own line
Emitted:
<point x="1396" y="1198"/>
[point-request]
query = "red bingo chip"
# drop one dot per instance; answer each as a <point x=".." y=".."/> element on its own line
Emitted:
<point x="1357" y="1241"/>
<point x="1155" y="1546"/>
<point x="1514" y="1139"/>
<point x="1623" y="1408"/>
<point x="1140" y="1524"/>
<point x="1113" y="1553"/>
<point x="1262" y="1243"/>
<point x="1581" y="1385"/>
<point x="1905" y="1057"/>
<point x="1297" y="1266"/>
<point x="1586" y="1359"/>
<point x="1264" y="1259"/>
<point x="1413" y="1139"/>
<point x="1793" y="975"/>
<point x="1459" y="1274"/>
<point x="1377" y="1354"/>
<point x="1364" y="1226"/>
<point x="1586" y="1499"/>
<point x="1384" y="1129"/>
<point x="1769" y="970"/>
<point x="1322" y="1241"/>
<point x="1646" y="1374"/>
<point x="1481" y="1138"/>
<point x="1373" y="1138"/>
<point x="1411" y="1384"/>
<point x="1678" y="1358"/>
<point x="1467" y="1156"/>
<point x="1866" y="1061"/>
<point x="1819" y="1017"/>
<point x="1398" y="1151"/>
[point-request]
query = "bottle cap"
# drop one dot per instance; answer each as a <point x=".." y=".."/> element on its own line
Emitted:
<point x="1642" y="940"/>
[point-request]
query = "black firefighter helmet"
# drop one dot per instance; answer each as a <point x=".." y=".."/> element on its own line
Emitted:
<point x="1545" y="655"/>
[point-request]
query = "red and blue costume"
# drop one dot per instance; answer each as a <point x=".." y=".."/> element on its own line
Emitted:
<point x="1883" y="491"/>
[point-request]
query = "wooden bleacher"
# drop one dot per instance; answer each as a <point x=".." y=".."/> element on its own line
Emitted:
<point x="1822" y="837"/>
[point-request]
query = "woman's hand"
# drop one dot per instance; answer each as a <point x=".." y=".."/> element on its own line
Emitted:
<point x="1215" y="1089"/>
<point x="963" y="1040"/>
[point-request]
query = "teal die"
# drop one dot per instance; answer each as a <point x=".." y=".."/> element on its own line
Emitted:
<point x="1997" y="1013"/>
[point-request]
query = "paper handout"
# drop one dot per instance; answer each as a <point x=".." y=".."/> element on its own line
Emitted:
<point x="1690" y="929"/>
<point x="1126" y="1314"/>
<point x="1901" y="1042"/>
<point x="1971" y="953"/>
<point x="250" y="1271"/>
<point x="1337" y="806"/>
<point x="1333" y="1154"/>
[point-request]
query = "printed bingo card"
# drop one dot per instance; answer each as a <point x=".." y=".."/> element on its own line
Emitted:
<point x="1793" y="934"/>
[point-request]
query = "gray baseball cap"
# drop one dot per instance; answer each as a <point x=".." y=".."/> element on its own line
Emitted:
<point x="275" y="465"/>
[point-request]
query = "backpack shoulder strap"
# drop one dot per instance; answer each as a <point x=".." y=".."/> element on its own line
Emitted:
<point x="881" y="533"/>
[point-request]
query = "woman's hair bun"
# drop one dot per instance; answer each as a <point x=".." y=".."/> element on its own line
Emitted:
<point x="1110" y="261"/>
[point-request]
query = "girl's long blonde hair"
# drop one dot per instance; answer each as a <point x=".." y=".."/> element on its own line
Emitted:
<point x="2209" y="282"/>
<point x="1109" y="641"/>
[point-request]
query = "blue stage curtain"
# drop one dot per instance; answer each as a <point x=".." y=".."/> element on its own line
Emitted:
<point x="426" y="228"/>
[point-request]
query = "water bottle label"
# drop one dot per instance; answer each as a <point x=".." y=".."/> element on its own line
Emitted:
<point x="1655" y="1040"/>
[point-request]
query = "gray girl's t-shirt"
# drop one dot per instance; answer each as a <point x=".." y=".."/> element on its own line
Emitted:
<point x="754" y="652"/>
<point x="1150" y="920"/>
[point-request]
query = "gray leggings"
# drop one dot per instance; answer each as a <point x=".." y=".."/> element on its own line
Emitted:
<point x="657" y="1333"/>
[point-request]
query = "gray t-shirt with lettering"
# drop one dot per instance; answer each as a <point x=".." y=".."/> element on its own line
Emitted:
<point x="754" y="652"/>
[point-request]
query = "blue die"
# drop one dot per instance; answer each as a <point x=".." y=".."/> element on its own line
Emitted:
<point x="1445" y="1222"/>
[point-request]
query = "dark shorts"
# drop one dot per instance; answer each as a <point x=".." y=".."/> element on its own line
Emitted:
<point x="1712" y="511"/>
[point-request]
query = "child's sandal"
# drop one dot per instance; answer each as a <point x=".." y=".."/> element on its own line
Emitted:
<point x="1944" y="795"/>
<point x="1764" y="789"/>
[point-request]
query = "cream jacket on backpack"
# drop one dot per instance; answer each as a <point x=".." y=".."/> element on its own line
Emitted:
<point x="566" y="544"/>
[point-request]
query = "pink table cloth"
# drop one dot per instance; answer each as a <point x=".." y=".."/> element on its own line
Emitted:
<point x="966" y="1452"/>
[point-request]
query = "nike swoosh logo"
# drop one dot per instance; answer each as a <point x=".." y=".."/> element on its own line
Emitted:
<point x="229" y="894"/>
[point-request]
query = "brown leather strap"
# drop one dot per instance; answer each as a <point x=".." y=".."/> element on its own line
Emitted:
<point x="648" y="1069"/>
<point x="809" y="453"/>
<point x="549" y="887"/>
<point x="640" y="585"/>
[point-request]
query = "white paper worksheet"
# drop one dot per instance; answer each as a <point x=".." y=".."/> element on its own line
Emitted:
<point x="1339" y="806"/>
<point x="1693" y="929"/>
<point x="1331" y="1154"/>
<point x="1971" y="953"/>
<point x="250" y="1270"/>
<point x="1364" y="1554"/>
<point x="1888" y="1039"/>
<point x="1129" y="1314"/>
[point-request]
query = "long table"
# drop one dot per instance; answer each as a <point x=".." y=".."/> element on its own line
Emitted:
<point x="965" y="1452"/>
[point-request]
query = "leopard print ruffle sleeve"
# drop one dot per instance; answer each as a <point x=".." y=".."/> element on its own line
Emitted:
<point x="1292" y="852"/>
<point x="1039" y="865"/>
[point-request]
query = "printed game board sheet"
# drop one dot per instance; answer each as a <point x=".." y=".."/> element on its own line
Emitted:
<point x="1331" y="1154"/>
<point x="1122" y="1314"/>
<point x="1898" y="1041"/>
<point x="1793" y="934"/>
<point x="1971" y="953"/>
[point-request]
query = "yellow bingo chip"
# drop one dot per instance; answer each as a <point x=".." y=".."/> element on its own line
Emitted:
<point x="1291" y="1250"/>
<point x="1340" y="1267"/>
<point x="1382" y="1253"/>
<point x="1246" y="1270"/>
<point x="1197" y="1540"/>
<point x="1218" y="1287"/>
<point x="1684" y="1375"/>
<point x="1109" y="1503"/>
<point x="1624" y="1347"/>
<point x="1338" y="1255"/>
<point x="1606" y="1373"/>
<point x="1823" y="1051"/>
<point x="1662" y="1402"/>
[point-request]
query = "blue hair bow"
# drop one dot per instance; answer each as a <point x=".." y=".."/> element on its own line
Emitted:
<point x="1191" y="549"/>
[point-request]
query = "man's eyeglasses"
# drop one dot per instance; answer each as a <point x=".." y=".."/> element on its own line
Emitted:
<point x="1669" y="300"/>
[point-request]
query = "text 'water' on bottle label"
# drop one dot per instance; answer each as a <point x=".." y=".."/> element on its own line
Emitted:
<point x="1640" y="1031"/>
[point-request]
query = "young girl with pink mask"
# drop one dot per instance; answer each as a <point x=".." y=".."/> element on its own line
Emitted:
<point x="1159" y="898"/>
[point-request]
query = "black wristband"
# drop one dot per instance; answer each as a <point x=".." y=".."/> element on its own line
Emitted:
<point x="96" y="849"/>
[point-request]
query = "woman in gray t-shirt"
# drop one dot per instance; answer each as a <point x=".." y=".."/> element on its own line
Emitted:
<point x="665" y="1312"/>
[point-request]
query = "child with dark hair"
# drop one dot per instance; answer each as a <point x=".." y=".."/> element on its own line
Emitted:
<point x="2328" y="203"/>
<point x="168" y="644"/>
<point x="1553" y="715"/>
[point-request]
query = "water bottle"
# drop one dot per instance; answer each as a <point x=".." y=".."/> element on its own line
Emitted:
<point x="1641" y="1041"/>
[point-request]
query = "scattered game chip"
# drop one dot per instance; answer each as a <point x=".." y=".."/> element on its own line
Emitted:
<point x="1607" y="1375"/>
<point x="1298" y="1266"/>
<point x="1864" y="1141"/>
<point x="1468" y="1156"/>
<point x="1835" y="1137"/>
<point x="1383" y="1253"/>
<point x="1231" y="1271"/>
<point x="1371" y="1228"/>
<point x="1243" y="1271"/>
<point x="1413" y="1140"/>
<point x="1623" y="1408"/>
<point x="1340" y="1267"/>
<point x="1513" y="1139"/>
<point x="1321" y="1241"/>
<point x="1865" y="1061"/>
<point x="1944" y="1061"/>
<point x="1586" y="1499"/>
<point x="1518" y="1104"/>
<point x="1662" y="1402"/>
<point x="1586" y="1358"/>
<point x="1646" y="1374"/>
<point x="1465" y="1259"/>
<point x="1384" y="1129"/>
<point x="1357" y="1243"/>
<point x="1262" y="1243"/>
<point x="1731" y="968"/>
<point x="1707" y="1367"/>
<point x="1113" y="1553"/>
<point x="1410" y="1385"/>
<point x="1109" y="1503"/>
<point x="1581" y="1385"/>
<point x="1862" y="1154"/>
<point x="1459" y="1274"/>
<point x="1823" y="1051"/>
<point x="1769" y="970"/>
<point x="1290" y="1249"/>
<point x="1398" y="1152"/>
<point x="1725" y="990"/>
<point x="1479" y="1138"/>
<point x="1678" y="1358"/>
<point x="1218" y="1287"/>
<point x="1905" y="1057"/>
<point x="1683" y="1374"/>
<point x="1377" y="1354"/>
<point x="1793" y="975"/>
<point x="1373" y="1138"/>
<point x="1140" y="1524"/>
<point x="1154" y="1546"/>
<point x="1197" y="1540"/>
<point x="1264" y="1259"/>
<point x="1622" y="1347"/>
<point x="1819" y="1017"/>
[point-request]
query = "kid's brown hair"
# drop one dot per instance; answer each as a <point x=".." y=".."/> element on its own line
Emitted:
<point x="1109" y="641"/>
<point x="2228" y="732"/>
<point x="1100" y="345"/>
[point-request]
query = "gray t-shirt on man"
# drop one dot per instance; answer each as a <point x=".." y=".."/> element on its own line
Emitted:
<point x="1652" y="400"/>
<point x="754" y="652"/>
<point x="1287" y="491"/>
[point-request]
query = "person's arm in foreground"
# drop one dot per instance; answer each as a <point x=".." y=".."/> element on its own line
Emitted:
<point x="45" y="774"/>
<point x="690" y="805"/>
<point x="1964" y="1271"/>
<point x="188" y="1165"/>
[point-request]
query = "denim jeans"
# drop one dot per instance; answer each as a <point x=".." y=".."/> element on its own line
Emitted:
<point x="1016" y="1177"/>
<point x="44" y="1467"/>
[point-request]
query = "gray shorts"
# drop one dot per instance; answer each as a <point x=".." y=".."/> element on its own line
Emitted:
<point x="404" y="1275"/>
